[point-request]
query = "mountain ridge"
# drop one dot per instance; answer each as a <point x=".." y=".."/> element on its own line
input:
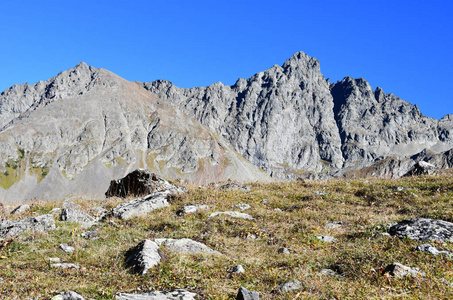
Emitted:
<point x="90" y="125"/>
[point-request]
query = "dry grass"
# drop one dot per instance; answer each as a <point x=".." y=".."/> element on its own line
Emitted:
<point x="293" y="216"/>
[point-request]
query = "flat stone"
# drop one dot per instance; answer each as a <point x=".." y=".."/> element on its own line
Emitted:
<point x="65" y="266"/>
<point x="68" y="295"/>
<point x="53" y="259"/>
<point x="433" y="250"/>
<point x="144" y="256"/>
<point x="233" y="214"/>
<point x="20" y="209"/>
<point x="191" y="208"/>
<point x="329" y="272"/>
<point x="399" y="270"/>
<point x="290" y="286"/>
<point x="334" y="225"/>
<point x="177" y="294"/>
<point x="245" y="294"/>
<point x="42" y="223"/>
<point x="77" y="216"/>
<point x="141" y="206"/>
<point x="326" y="238"/>
<point x="424" y="229"/>
<point x="66" y="248"/>
<point x="242" y="206"/>
<point x="185" y="246"/>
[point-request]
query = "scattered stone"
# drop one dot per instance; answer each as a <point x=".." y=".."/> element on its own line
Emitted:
<point x="400" y="189"/>
<point x="177" y="294"/>
<point x="53" y="259"/>
<point x="433" y="250"/>
<point x="284" y="250"/>
<point x="245" y="294"/>
<point x="70" y="204"/>
<point x="233" y="214"/>
<point x="290" y="286"/>
<point x="141" y="206"/>
<point x="91" y="234"/>
<point x="413" y="194"/>
<point x="242" y="206"/>
<point x="264" y="201"/>
<point x="320" y="193"/>
<point x="234" y="186"/>
<point x="77" y="216"/>
<point x="68" y="295"/>
<point x="191" y="208"/>
<point x="399" y="270"/>
<point x="330" y="272"/>
<point x="66" y="248"/>
<point x="326" y="238"/>
<point x="185" y="246"/>
<point x="144" y="256"/>
<point x="42" y="223"/>
<point x="424" y="229"/>
<point x="334" y="225"/>
<point x="140" y="183"/>
<point x="20" y="209"/>
<point x="238" y="269"/>
<point x="65" y="266"/>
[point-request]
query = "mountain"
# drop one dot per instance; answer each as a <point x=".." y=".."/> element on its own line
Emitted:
<point x="72" y="134"/>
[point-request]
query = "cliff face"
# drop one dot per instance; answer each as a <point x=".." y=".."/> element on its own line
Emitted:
<point x="72" y="134"/>
<point x="281" y="119"/>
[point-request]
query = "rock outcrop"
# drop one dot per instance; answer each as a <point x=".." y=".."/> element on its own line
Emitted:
<point x="9" y="229"/>
<point x="424" y="229"/>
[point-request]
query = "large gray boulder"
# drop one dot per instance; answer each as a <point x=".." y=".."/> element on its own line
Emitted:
<point x="144" y="256"/>
<point x="424" y="229"/>
<point x="185" y="246"/>
<point x="245" y="294"/>
<point x="141" y="206"/>
<point x="10" y="228"/>
<point x="399" y="270"/>
<point x="177" y="294"/>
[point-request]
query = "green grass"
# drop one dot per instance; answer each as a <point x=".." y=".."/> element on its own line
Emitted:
<point x="293" y="216"/>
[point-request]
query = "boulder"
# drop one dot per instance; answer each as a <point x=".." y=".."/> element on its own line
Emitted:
<point x="177" y="294"/>
<point x="399" y="270"/>
<point x="185" y="246"/>
<point x="238" y="269"/>
<point x="245" y="294"/>
<point x="141" y="206"/>
<point x="233" y="214"/>
<point x="77" y="216"/>
<point x="68" y="295"/>
<point x="10" y="229"/>
<point x="140" y="183"/>
<point x="144" y="256"/>
<point x="424" y="229"/>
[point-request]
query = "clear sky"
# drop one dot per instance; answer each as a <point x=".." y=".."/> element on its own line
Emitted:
<point x="405" y="47"/>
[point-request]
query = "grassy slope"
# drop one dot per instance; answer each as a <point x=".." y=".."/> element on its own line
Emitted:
<point x="360" y="253"/>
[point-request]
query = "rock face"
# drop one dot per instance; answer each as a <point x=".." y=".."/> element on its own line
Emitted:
<point x="261" y="116"/>
<point x="424" y="229"/>
<point x="10" y="229"/>
<point x="74" y="133"/>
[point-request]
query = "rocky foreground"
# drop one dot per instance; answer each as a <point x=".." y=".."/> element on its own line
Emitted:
<point x="151" y="239"/>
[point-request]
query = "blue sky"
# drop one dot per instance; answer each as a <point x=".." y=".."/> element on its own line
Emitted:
<point x="402" y="46"/>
